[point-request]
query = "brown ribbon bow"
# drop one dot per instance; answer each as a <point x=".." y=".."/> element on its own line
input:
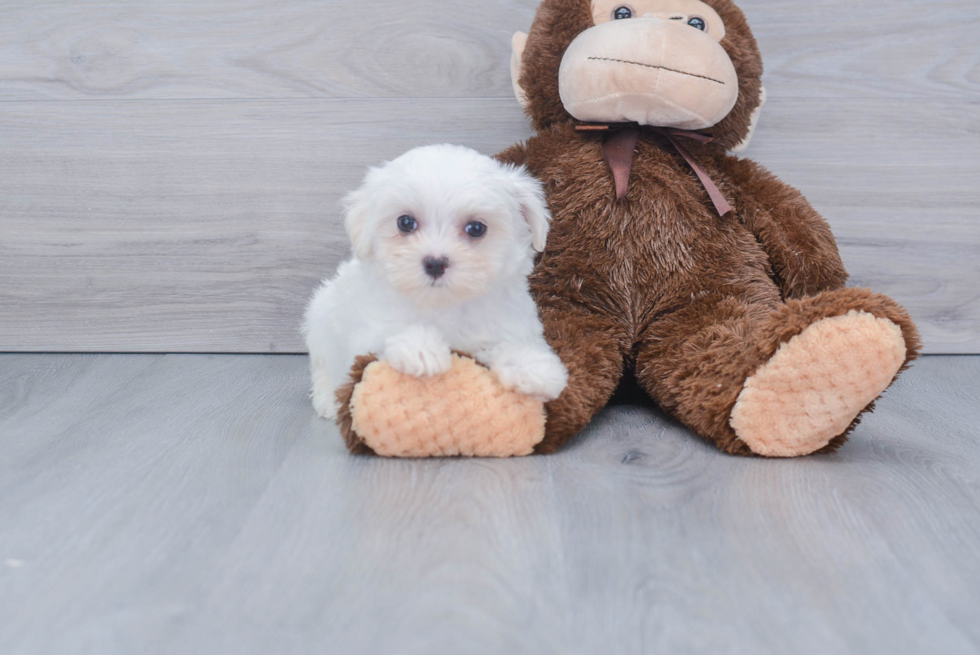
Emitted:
<point x="619" y="145"/>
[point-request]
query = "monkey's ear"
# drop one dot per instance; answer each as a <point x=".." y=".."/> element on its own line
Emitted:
<point x="753" y="122"/>
<point x="534" y="207"/>
<point x="518" y="42"/>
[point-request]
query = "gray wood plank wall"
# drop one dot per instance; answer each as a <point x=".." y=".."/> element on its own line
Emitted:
<point x="169" y="171"/>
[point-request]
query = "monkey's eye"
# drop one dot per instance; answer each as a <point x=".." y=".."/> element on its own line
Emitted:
<point x="698" y="23"/>
<point x="475" y="229"/>
<point x="407" y="224"/>
<point x="619" y="13"/>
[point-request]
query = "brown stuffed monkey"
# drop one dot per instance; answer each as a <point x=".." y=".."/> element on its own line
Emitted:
<point x="718" y="285"/>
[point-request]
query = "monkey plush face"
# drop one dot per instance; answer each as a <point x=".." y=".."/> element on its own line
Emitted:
<point x="687" y="64"/>
<point x="652" y="62"/>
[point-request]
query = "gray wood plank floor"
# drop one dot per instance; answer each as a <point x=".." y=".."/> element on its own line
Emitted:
<point x="194" y="504"/>
<point x="170" y="172"/>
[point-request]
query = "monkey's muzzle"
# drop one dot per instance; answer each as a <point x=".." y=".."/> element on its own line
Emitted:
<point x="648" y="71"/>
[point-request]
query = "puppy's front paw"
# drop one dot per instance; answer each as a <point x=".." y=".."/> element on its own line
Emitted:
<point x="534" y="372"/>
<point x="324" y="403"/>
<point x="322" y="396"/>
<point x="418" y="351"/>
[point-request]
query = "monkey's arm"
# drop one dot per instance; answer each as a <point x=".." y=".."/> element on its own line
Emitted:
<point x="798" y="240"/>
<point x="516" y="155"/>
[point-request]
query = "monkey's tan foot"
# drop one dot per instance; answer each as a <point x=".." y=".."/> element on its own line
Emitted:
<point x="817" y="383"/>
<point x="463" y="412"/>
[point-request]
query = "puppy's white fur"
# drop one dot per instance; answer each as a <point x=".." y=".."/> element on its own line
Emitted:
<point x="383" y="302"/>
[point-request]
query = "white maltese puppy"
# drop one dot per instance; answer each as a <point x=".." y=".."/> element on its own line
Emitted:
<point x="444" y="240"/>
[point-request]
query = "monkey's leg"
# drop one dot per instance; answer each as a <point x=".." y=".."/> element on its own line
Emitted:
<point x="778" y="381"/>
<point x="593" y="348"/>
<point x="467" y="412"/>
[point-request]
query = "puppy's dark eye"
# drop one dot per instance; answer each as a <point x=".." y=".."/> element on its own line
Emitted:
<point x="698" y="23"/>
<point x="475" y="229"/>
<point x="619" y="13"/>
<point x="407" y="224"/>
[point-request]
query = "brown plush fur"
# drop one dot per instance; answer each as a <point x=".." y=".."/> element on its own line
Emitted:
<point x="657" y="281"/>
<point x="354" y="443"/>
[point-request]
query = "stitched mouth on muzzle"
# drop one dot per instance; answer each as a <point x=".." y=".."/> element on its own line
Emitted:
<point x="663" y="68"/>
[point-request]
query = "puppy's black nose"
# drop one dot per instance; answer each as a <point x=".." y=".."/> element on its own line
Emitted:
<point x="435" y="268"/>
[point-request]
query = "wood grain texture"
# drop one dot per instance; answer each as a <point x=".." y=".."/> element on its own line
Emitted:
<point x="195" y="504"/>
<point x="170" y="172"/>
<point x="158" y="49"/>
<point x="868" y="49"/>
<point x="139" y="493"/>
<point x="204" y="226"/>
<point x="192" y="226"/>
<point x="161" y="49"/>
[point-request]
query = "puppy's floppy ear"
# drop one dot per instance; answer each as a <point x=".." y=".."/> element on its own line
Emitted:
<point x="530" y="195"/>
<point x="357" y="211"/>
